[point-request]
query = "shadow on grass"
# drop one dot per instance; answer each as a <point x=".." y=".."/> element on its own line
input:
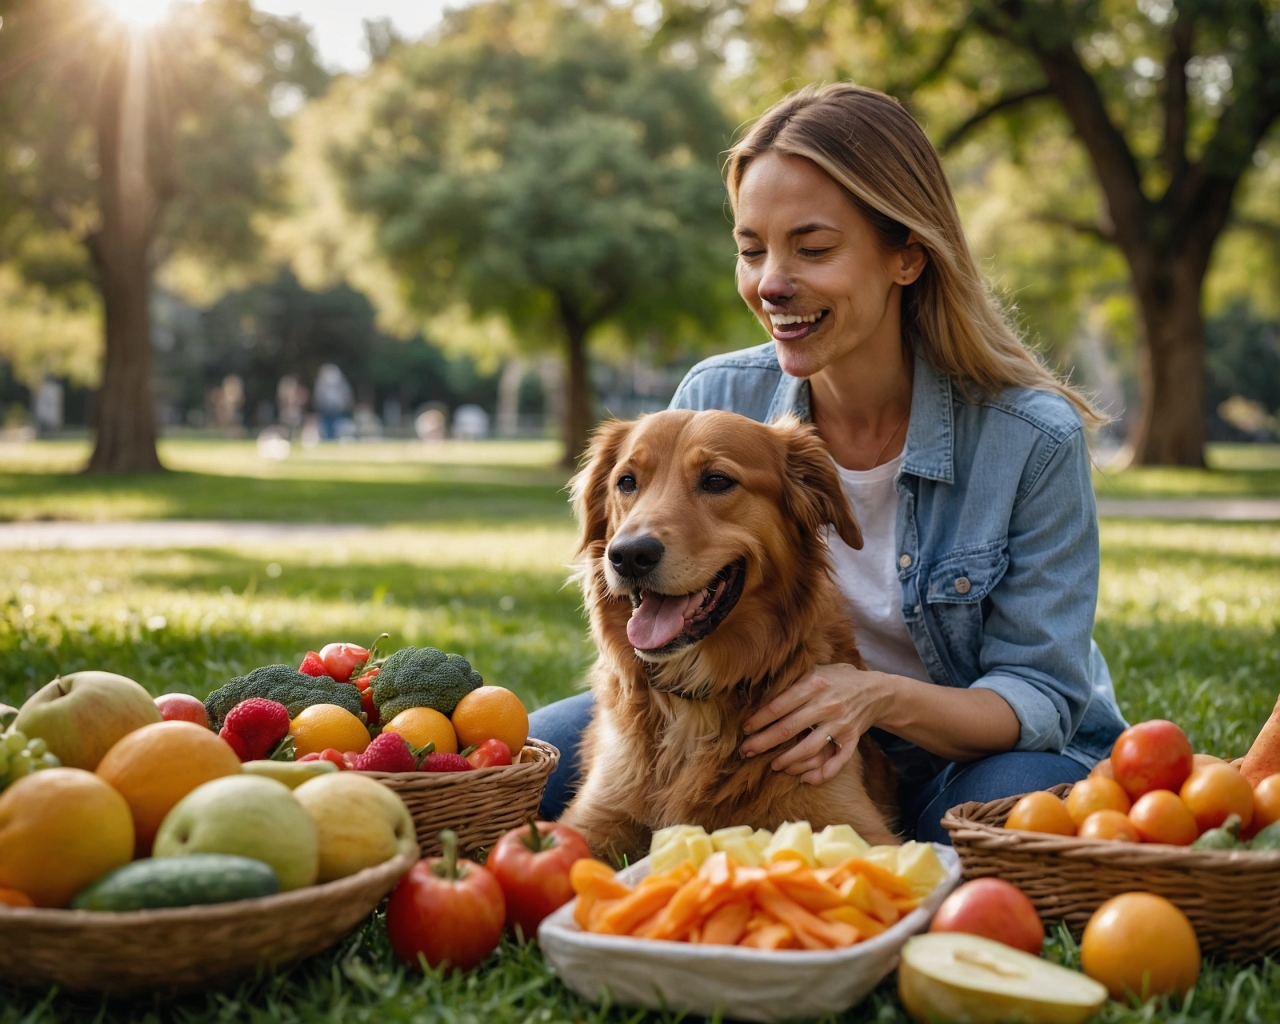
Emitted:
<point x="506" y="496"/>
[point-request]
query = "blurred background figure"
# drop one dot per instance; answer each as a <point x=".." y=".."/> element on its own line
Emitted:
<point x="226" y="405"/>
<point x="291" y="401"/>
<point x="332" y="400"/>
<point x="470" y="423"/>
<point x="429" y="425"/>
<point x="46" y="407"/>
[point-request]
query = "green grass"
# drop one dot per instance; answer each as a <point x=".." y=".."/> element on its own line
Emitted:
<point x="1189" y="618"/>
<point x="1235" y="471"/>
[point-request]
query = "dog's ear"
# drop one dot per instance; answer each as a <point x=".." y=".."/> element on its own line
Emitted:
<point x="813" y="493"/>
<point x="590" y="485"/>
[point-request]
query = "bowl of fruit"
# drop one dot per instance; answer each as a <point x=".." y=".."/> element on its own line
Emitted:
<point x="1157" y="817"/>
<point x="139" y="850"/>
<point x="420" y="722"/>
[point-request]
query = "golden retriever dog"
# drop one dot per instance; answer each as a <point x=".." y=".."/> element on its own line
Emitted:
<point x="704" y="567"/>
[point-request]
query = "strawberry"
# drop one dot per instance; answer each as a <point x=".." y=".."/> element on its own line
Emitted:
<point x="312" y="665"/>
<point x="387" y="753"/>
<point x="445" y="763"/>
<point x="258" y="724"/>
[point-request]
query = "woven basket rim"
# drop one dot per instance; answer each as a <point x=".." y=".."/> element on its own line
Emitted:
<point x="545" y="758"/>
<point x="210" y="913"/>
<point x="970" y="822"/>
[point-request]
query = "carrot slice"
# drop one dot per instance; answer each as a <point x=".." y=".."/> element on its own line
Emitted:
<point x="728" y="924"/>
<point x="831" y="934"/>
<point x="682" y="910"/>
<point x="882" y="908"/>
<point x="582" y="910"/>
<point x="771" y="936"/>
<point x="810" y="893"/>
<point x="868" y="927"/>
<point x="596" y="877"/>
<point x="879" y="876"/>
<point x="624" y="914"/>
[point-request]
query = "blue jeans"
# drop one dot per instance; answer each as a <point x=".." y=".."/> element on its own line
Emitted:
<point x="991" y="778"/>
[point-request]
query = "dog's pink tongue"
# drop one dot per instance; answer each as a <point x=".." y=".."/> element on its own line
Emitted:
<point x="657" y="621"/>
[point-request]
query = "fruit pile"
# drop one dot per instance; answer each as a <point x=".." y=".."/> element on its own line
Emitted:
<point x="1155" y="789"/>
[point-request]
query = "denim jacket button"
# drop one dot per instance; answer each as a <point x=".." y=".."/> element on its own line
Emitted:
<point x="904" y="561"/>
<point x="962" y="585"/>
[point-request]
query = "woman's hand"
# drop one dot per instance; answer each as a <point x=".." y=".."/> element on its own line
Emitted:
<point x="836" y="701"/>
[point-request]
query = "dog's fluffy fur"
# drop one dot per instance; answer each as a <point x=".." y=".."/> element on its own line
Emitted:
<point x="662" y="748"/>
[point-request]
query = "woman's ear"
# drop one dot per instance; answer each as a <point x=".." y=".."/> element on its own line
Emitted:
<point x="909" y="262"/>
<point x="590" y="485"/>
<point x="811" y="488"/>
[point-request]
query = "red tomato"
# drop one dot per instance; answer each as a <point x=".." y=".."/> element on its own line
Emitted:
<point x="1152" y="755"/>
<point x="448" y="910"/>
<point x="182" y="707"/>
<point x="994" y="909"/>
<point x="337" y="757"/>
<point x="532" y="865"/>
<point x="340" y="660"/>
<point x="489" y="754"/>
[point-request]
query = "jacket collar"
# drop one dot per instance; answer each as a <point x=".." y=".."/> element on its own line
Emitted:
<point x="930" y="435"/>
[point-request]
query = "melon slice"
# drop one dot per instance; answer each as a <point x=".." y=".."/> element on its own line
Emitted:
<point x="953" y="977"/>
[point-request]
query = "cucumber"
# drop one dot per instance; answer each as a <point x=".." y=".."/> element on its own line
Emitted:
<point x="179" y="882"/>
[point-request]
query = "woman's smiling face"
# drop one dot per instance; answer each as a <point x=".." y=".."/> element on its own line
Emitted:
<point x="811" y="268"/>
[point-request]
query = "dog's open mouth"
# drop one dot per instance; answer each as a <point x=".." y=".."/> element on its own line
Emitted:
<point x="661" y="623"/>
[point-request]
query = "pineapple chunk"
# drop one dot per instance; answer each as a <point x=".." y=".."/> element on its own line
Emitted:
<point x="760" y="839"/>
<point x="725" y="835"/>
<point x="793" y="839"/>
<point x="743" y="851"/>
<point x="670" y="846"/>
<point x="700" y="848"/>
<point x="918" y="864"/>
<point x="835" y="844"/>
<point x="885" y="856"/>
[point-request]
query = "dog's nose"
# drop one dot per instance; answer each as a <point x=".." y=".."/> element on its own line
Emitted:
<point x="635" y="556"/>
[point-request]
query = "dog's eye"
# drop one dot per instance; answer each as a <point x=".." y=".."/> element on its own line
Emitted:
<point x="717" y="483"/>
<point x="627" y="484"/>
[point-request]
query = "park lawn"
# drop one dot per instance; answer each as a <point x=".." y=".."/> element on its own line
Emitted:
<point x="1188" y="618"/>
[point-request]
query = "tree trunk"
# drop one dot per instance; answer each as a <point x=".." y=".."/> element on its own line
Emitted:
<point x="577" y="419"/>
<point x="1168" y="428"/>
<point x="130" y="207"/>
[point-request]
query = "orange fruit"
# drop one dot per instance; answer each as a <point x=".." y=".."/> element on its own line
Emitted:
<point x="1141" y="943"/>
<point x="1161" y="817"/>
<point x="420" y="726"/>
<point x="1111" y="825"/>
<point x="1102" y="768"/>
<point x="322" y="726"/>
<point x="1041" y="812"/>
<point x="1200" y="760"/>
<point x="491" y="712"/>
<point x="1215" y="791"/>
<point x="156" y="766"/>
<point x="13" y="898"/>
<point x="1266" y="802"/>
<point x="1097" y="793"/>
<point x="61" y="828"/>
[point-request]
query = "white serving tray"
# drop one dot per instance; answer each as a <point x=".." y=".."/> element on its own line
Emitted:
<point x="742" y="984"/>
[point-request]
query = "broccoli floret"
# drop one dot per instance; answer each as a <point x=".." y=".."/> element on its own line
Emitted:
<point x="422" y="677"/>
<point x="285" y="685"/>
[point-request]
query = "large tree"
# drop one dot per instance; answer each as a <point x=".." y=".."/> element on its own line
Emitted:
<point x="530" y="163"/>
<point x="134" y="147"/>
<point x="1169" y="99"/>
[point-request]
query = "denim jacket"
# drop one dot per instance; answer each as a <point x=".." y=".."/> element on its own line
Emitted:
<point x="997" y="538"/>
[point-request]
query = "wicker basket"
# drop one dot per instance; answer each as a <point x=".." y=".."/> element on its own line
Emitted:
<point x="184" y="948"/>
<point x="478" y="805"/>
<point x="1231" y="897"/>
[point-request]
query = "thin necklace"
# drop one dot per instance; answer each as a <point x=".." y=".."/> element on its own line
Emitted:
<point x="875" y="462"/>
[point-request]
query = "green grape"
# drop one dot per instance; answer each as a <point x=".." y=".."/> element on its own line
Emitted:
<point x="15" y="741"/>
<point x="49" y="760"/>
<point x="37" y="747"/>
<point x="19" y="766"/>
<point x="4" y="762"/>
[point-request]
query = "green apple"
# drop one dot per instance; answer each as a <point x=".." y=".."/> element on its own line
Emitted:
<point x="249" y="816"/>
<point x="361" y="822"/>
<point x="81" y="716"/>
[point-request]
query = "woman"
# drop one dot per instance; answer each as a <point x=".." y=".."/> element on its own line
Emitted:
<point x="963" y="458"/>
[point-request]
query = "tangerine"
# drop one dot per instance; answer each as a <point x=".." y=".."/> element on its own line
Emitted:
<point x="1215" y="791"/>
<point x="1266" y="802"/>
<point x="1103" y="769"/>
<point x="1141" y="943"/>
<point x="1097" y="793"/>
<point x="491" y="712"/>
<point x="420" y="726"/>
<point x="322" y="726"/>
<point x="1110" y="825"/>
<point x="13" y="898"/>
<point x="1151" y="755"/>
<point x="1041" y="812"/>
<point x="1161" y="817"/>
<point x="1200" y="760"/>
<point x="156" y="766"/>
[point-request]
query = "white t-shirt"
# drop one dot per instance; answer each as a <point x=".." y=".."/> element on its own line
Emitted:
<point x="869" y="577"/>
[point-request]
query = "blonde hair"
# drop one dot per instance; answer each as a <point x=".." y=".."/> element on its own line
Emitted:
<point x="875" y="150"/>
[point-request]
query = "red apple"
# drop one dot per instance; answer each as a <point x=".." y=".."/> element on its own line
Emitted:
<point x="994" y="909"/>
<point x="182" y="707"/>
<point x="1152" y="755"/>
